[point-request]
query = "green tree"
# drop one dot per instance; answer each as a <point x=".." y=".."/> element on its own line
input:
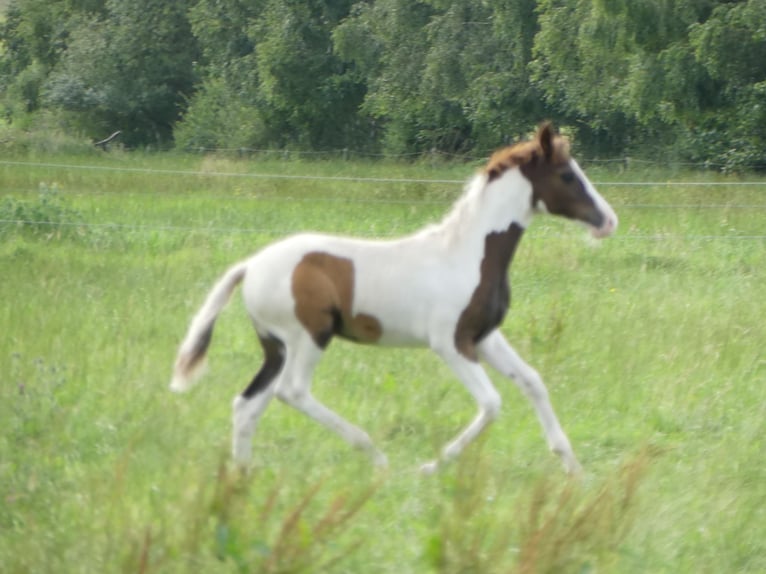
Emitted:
<point x="128" y="68"/>
<point x="224" y="110"/>
<point x="686" y="77"/>
<point x="731" y="45"/>
<point x="310" y="98"/>
<point x="445" y="75"/>
<point x="384" y="41"/>
<point x="582" y="62"/>
<point x="503" y="103"/>
<point x="622" y="72"/>
<point x="275" y="69"/>
<point x="33" y="34"/>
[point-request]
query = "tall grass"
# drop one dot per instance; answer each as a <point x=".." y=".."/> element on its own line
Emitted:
<point x="556" y="526"/>
<point x="651" y="344"/>
<point x="229" y="521"/>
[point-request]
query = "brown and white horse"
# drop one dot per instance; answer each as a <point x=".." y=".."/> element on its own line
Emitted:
<point x="444" y="287"/>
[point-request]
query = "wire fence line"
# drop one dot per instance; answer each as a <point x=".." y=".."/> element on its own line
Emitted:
<point x="478" y="155"/>
<point x="353" y="179"/>
<point x="284" y="198"/>
<point x="204" y="173"/>
<point x="395" y="232"/>
<point x="21" y="222"/>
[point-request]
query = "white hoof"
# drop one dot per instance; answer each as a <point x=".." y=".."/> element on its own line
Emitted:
<point x="242" y="453"/>
<point x="572" y="467"/>
<point x="429" y="468"/>
<point x="380" y="460"/>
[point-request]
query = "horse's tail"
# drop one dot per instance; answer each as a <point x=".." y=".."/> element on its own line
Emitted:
<point x="191" y="355"/>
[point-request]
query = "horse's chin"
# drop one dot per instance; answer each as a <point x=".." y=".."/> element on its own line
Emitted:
<point x="605" y="230"/>
<point x="599" y="232"/>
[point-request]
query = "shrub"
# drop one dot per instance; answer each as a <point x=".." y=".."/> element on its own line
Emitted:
<point x="46" y="216"/>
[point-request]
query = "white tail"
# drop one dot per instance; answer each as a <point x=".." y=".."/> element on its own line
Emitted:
<point x="191" y="355"/>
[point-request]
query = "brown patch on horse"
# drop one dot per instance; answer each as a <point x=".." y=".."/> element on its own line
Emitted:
<point x="273" y="359"/>
<point x="492" y="296"/>
<point x="323" y="290"/>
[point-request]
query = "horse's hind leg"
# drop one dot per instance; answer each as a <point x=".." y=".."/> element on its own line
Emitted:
<point x="294" y="388"/>
<point x="249" y="405"/>
<point x="502" y="357"/>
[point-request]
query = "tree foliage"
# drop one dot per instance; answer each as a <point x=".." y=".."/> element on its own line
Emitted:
<point x="115" y="65"/>
<point x="272" y="78"/>
<point x="686" y="77"/>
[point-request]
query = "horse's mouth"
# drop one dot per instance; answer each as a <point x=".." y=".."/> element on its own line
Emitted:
<point x="607" y="227"/>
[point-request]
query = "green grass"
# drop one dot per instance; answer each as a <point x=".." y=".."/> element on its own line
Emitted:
<point x="651" y="343"/>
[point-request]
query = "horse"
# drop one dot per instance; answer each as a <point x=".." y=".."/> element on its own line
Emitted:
<point x="444" y="287"/>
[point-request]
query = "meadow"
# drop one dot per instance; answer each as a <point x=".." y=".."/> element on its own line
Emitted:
<point x="651" y="344"/>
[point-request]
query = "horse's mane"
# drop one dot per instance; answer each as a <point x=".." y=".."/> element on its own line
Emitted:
<point x="510" y="157"/>
<point x="457" y="217"/>
<point x="504" y="159"/>
<point x="525" y="153"/>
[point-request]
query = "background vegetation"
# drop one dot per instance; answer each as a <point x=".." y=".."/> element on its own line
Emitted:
<point x="683" y="79"/>
<point x="651" y="343"/>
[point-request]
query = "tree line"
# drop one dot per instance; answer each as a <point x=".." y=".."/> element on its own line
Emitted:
<point x="680" y="78"/>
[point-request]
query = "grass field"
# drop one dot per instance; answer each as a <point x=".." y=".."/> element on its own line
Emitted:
<point x="651" y="343"/>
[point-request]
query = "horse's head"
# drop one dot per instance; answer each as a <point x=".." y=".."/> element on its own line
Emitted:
<point x="559" y="186"/>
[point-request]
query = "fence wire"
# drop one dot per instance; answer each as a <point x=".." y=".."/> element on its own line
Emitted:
<point x="21" y="222"/>
<point x="272" y="232"/>
<point x="354" y="179"/>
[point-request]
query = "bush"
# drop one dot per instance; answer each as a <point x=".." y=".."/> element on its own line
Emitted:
<point x="46" y="216"/>
<point x="217" y="118"/>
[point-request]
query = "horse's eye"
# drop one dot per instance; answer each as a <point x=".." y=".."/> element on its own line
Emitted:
<point x="567" y="177"/>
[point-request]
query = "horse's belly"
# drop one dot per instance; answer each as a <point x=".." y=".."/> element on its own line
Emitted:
<point x="393" y="337"/>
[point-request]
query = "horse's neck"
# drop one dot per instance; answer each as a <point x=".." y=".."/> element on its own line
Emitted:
<point x="485" y="216"/>
<point x="499" y="249"/>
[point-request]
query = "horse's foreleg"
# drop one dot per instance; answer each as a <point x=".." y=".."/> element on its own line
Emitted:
<point x="294" y="389"/>
<point x="478" y="384"/>
<point x="499" y="354"/>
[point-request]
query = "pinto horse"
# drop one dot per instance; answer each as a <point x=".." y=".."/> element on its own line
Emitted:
<point x="445" y="287"/>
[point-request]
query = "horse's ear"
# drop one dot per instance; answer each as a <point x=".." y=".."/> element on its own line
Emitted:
<point x="545" y="137"/>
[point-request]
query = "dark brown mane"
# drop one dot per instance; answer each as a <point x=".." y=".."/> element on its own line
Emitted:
<point x="528" y="152"/>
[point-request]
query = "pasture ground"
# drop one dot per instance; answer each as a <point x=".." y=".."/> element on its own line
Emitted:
<point x="651" y="344"/>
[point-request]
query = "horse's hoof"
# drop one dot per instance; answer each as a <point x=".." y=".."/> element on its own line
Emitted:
<point x="380" y="461"/>
<point x="573" y="469"/>
<point x="429" y="468"/>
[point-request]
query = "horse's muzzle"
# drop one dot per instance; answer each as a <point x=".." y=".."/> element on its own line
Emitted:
<point x="607" y="227"/>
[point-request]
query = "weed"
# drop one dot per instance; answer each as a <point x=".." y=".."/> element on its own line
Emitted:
<point x="469" y="533"/>
<point x="572" y="529"/>
<point x="253" y="531"/>
<point x="47" y="216"/>
<point x="564" y="526"/>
